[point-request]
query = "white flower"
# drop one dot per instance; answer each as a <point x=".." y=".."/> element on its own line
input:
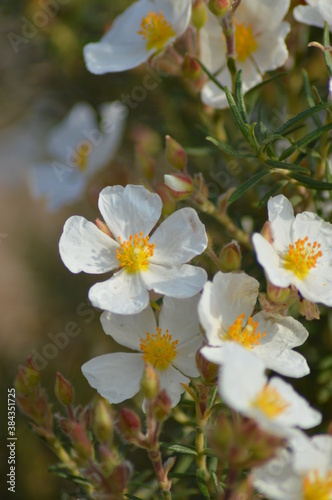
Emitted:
<point x="79" y="149"/>
<point x="273" y="404"/>
<point x="259" y="43"/>
<point x="225" y="313"/>
<point x="170" y="348"/>
<point x="142" y="263"/>
<point x="145" y="28"/>
<point x="315" y="13"/>
<point x="304" y="474"/>
<point x="301" y="252"/>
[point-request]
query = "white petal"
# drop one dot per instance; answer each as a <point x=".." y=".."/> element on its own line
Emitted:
<point x="83" y="247"/>
<point x="116" y="376"/>
<point x="103" y="58"/>
<point x="170" y="380"/>
<point x="128" y="329"/>
<point x="270" y="261"/>
<point x="179" y="238"/>
<point x="122" y="294"/>
<point x="129" y="210"/>
<point x="281" y="217"/>
<point x="263" y="16"/>
<point x="185" y="360"/>
<point x="69" y="133"/>
<point x="179" y="282"/>
<point x="272" y="50"/>
<point x="180" y="317"/>
<point x="309" y="15"/>
<point x="315" y="453"/>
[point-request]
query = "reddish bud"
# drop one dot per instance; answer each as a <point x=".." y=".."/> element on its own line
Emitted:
<point x="180" y="185"/>
<point x="175" y="154"/>
<point x="208" y="370"/>
<point x="276" y="294"/>
<point x="191" y="69"/>
<point x="266" y="232"/>
<point x="169" y="203"/>
<point x="102" y="227"/>
<point x="63" y="390"/>
<point x="220" y="7"/>
<point x="81" y="442"/>
<point x="27" y="378"/>
<point x="161" y="406"/>
<point x="129" y="424"/>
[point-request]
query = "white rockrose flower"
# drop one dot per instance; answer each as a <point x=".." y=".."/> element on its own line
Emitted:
<point x="273" y="404"/>
<point x="259" y="44"/>
<point x="301" y="251"/>
<point x="305" y="473"/>
<point x="170" y="347"/>
<point x="141" y="261"/>
<point x="78" y="148"/>
<point x="225" y="311"/>
<point x="144" y="29"/>
<point x="316" y="13"/>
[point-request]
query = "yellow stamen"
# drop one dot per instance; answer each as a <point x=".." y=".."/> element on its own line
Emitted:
<point x="159" y="349"/>
<point x="245" y="43"/>
<point x="315" y="487"/>
<point x="156" y="30"/>
<point x="270" y="402"/>
<point x="135" y="253"/>
<point x="302" y="257"/>
<point x="248" y="336"/>
<point x="82" y="154"/>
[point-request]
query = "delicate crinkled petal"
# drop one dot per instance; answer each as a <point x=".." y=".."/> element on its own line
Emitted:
<point x="263" y="16"/>
<point x="314" y="453"/>
<point x="272" y="50"/>
<point x="179" y="238"/>
<point x="309" y="15"/>
<point x="83" y="247"/>
<point x="66" y="136"/>
<point x="281" y="217"/>
<point x="179" y="282"/>
<point x="127" y="330"/>
<point x="129" y="210"/>
<point x="116" y="376"/>
<point x="171" y="380"/>
<point x="180" y="318"/>
<point x="122" y="294"/>
<point x="224" y="300"/>
<point x="270" y="261"/>
<point x="103" y="58"/>
<point x="57" y="183"/>
<point x="106" y="141"/>
<point x="185" y="360"/>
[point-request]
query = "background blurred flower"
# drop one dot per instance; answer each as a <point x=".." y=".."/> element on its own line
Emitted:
<point x="315" y="13"/>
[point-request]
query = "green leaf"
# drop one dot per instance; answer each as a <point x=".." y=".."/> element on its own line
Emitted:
<point x="302" y="116"/>
<point x="247" y="185"/>
<point x="209" y="452"/>
<point x="178" y="448"/>
<point x="327" y="54"/>
<point x="237" y="115"/>
<point x="210" y="75"/>
<point x="184" y="475"/>
<point x="201" y="481"/>
<point x="239" y="97"/>
<point x="312" y="183"/>
<point x="287" y="166"/>
<point x="227" y="149"/>
<point x="307" y="139"/>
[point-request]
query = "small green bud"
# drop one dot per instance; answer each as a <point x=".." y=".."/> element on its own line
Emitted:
<point x="175" y="154"/>
<point x="63" y="390"/>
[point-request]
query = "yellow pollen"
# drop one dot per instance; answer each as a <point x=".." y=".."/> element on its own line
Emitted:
<point x="270" y="402"/>
<point x="245" y="43"/>
<point x="315" y="487"/>
<point x="248" y="336"/>
<point x="156" y="30"/>
<point x="302" y="256"/>
<point x="135" y="253"/>
<point x="159" y="349"/>
<point x="82" y="153"/>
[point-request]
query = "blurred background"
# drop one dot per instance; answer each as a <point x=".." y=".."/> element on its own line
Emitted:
<point x="42" y="75"/>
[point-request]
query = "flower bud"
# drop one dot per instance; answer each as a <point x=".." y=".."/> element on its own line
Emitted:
<point x="230" y="257"/>
<point x="190" y="67"/>
<point x="27" y="378"/>
<point x="129" y="424"/>
<point x="266" y="232"/>
<point x="102" y="227"/>
<point x="199" y="14"/>
<point x="63" y="390"/>
<point x="180" y="185"/>
<point x="276" y="294"/>
<point x="81" y="442"/>
<point x="220" y="7"/>
<point x="208" y="370"/>
<point x="103" y="421"/>
<point x="161" y="406"/>
<point x="65" y="424"/>
<point x="175" y="154"/>
<point x="150" y="382"/>
<point x="145" y="162"/>
<point x="169" y="203"/>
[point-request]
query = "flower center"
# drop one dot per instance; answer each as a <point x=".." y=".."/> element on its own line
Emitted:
<point x="82" y="153"/>
<point x="156" y="30"/>
<point x="302" y="256"/>
<point x="316" y="487"/>
<point x="159" y="349"/>
<point x="135" y="253"/>
<point x="245" y="43"/>
<point x="249" y="337"/>
<point x="269" y="402"/>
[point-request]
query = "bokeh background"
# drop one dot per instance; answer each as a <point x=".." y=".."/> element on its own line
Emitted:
<point x="42" y="76"/>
